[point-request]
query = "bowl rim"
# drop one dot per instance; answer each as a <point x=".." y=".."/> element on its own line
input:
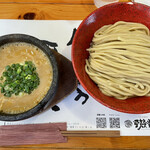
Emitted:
<point x="73" y="62"/>
<point x="11" y="38"/>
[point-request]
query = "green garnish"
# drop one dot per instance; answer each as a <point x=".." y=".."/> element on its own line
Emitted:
<point x="18" y="79"/>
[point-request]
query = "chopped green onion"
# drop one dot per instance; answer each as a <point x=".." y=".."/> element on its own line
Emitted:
<point x="18" y="79"/>
<point x="1" y="78"/>
<point x="7" y="67"/>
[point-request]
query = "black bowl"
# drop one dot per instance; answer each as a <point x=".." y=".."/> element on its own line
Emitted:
<point x="53" y="88"/>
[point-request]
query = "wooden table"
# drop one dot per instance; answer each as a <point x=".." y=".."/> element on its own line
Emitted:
<point x="65" y="10"/>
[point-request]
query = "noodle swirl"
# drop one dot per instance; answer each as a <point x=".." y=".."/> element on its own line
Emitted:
<point x="119" y="60"/>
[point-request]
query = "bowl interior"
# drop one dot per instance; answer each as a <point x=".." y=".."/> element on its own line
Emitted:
<point x="108" y="14"/>
<point x="52" y="90"/>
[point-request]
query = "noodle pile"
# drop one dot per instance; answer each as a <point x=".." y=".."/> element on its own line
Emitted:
<point x="119" y="60"/>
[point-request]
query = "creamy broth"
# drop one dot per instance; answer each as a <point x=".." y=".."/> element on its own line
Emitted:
<point x="19" y="53"/>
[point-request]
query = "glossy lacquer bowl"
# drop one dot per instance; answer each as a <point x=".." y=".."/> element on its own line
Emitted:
<point x="108" y="14"/>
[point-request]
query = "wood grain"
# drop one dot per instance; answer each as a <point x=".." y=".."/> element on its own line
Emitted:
<point x="61" y="10"/>
<point x="54" y="1"/>
<point x="95" y="143"/>
<point x="32" y="134"/>
<point x="45" y="11"/>
<point x="49" y="1"/>
<point x="91" y="133"/>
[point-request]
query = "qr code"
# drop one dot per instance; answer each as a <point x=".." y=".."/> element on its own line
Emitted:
<point x="101" y="122"/>
<point x="114" y="122"/>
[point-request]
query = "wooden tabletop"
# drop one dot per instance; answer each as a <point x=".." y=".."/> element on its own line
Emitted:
<point x="65" y="10"/>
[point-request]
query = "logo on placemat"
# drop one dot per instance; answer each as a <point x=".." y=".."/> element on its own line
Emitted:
<point x="128" y="123"/>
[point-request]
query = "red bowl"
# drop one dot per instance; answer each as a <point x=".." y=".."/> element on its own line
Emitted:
<point x="108" y="14"/>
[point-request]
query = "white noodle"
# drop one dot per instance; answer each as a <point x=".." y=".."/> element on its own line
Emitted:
<point x="119" y="61"/>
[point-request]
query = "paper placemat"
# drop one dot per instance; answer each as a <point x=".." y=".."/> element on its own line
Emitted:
<point x="79" y="109"/>
<point x="146" y="2"/>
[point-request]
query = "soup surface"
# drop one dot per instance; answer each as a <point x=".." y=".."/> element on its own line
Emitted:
<point x="14" y="53"/>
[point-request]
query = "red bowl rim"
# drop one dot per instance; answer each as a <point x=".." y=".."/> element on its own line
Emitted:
<point x="74" y="67"/>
